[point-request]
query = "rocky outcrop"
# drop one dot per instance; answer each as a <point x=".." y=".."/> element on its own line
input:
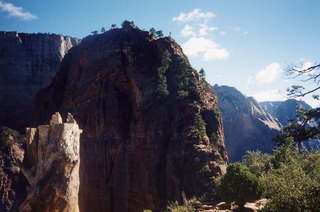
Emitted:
<point x="51" y="167"/>
<point x="246" y="125"/>
<point x="284" y="110"/>
<point x="151" y="127"/>
<point x="28" y="62"/>
<point x="12" y="182"/>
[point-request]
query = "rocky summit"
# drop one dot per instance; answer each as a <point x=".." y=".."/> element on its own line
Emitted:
<point x="152" y="130"/>
<point x="247" y="125"/>
<point x="28" y="62"/>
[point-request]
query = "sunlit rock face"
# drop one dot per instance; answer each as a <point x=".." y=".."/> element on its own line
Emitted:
<point x="28" y="62"/>
<point x="152" y="129"/>
<point x="247" y="125"/>
<point x="51" y="166"/>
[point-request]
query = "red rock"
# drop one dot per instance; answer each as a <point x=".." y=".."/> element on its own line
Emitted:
<point x="138" y="148"/>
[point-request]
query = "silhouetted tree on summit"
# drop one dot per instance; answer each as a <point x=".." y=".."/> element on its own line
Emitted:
<point x="202" y="73"/>
<point x="113" y="26"/>
<point x="103" y="30"/>
<point x="152" y="31"/>
<point x="95" y="32"/>
<point x="159" y="34"/>
<point x="127" y="24"/>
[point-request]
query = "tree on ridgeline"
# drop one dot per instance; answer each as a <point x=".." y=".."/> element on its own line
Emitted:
<point x="152" y="31"/>
<point x="95" y="32"/>
<point x="202" y="73"/>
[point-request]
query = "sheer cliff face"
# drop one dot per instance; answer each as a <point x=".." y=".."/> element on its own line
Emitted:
<point x="151" y="127"/>
<point x="246" y="125"/>
<point x="28" y="62"/>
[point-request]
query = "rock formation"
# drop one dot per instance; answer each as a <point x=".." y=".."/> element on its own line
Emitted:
<point x="51" y="166"/>
<point x="12" y="182"/>
<point x="151" y="127"/>
<point x="246" y="125"/>
<point x="284" y="110"/>
<point x="28" y="62"/>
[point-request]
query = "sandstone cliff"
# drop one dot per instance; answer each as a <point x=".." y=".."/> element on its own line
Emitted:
<point x="246" y="125"/>
<point x="28" y="62"/>
<point x="151" y="127"/>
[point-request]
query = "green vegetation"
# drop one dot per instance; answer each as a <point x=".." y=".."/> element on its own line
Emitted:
<point x="240" y="185"/>
<point x="184" y="80"/>
<point x="201" y="124"/>
<point x="187" y="206"/>
<point x="162" y="87"/>
<point x="288" y="177"/>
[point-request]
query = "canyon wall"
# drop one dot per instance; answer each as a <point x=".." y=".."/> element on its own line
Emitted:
<point x="247" y="125"/>
<point x="28" y="62"/>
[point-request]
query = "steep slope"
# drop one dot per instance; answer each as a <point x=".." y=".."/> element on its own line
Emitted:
<point x="246" y="125"/>
<point x="284" y="110"/>
<point x="28" y="62"/>
<point x="151" y="127"/>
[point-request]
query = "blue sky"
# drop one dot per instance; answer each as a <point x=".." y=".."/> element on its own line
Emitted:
<point x="243" y="43"/>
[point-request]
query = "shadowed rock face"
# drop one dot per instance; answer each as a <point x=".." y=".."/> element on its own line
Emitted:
<point x="151" y="127"/>
<point x="246" y="125"/>
<point x="12" y="182"/>
<point x="28" y="62"/>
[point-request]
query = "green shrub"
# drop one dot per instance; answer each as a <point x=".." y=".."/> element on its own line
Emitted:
<point x="162" y="87"/>
<point x="187" y="206"/>
<point x="257" y="162"/>
<point x="240" y="185"/>
<point x="293" y="184"/>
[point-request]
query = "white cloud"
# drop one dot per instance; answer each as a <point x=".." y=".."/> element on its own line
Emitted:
<point x="187" y="31"/>
<point x="205" y="48"/>
<point x="222" y="32"/>
<point x="269" y="95"/>
<point x="204" y="28"/>
<point x="194" y="15"/>
<point x="16" y="11"/>
<point x="269" y="74"/>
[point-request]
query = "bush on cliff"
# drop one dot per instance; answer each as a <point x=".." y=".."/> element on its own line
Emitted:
<point x="240" y="185"/>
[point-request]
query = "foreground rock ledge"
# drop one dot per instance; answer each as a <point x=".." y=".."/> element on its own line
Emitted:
<point x="51" y="166"/>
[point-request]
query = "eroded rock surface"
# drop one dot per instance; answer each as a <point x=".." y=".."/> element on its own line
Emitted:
<point x="152" y="128"/>
<point x="28" y="62"/>
<point x="51" y="167"/>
